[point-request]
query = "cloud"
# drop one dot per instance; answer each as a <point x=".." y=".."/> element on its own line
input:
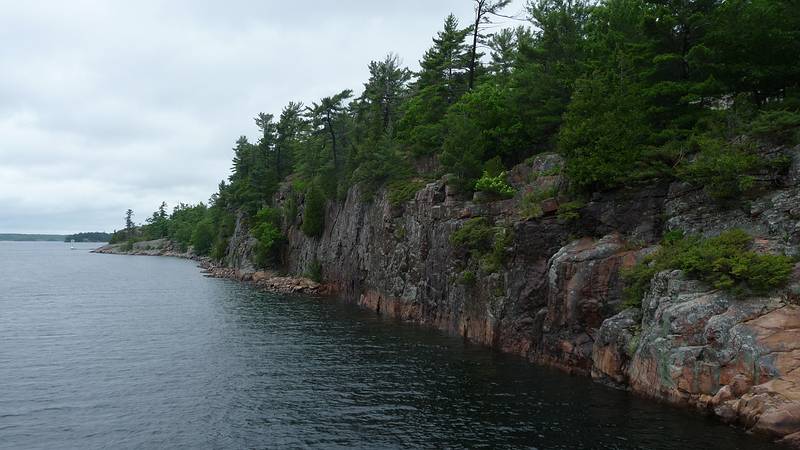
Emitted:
<point x="109" y="105"/>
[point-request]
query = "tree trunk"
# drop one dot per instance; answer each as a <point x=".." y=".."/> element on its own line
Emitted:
<point x="333" y="142"/>
<point x="473" y="55"/>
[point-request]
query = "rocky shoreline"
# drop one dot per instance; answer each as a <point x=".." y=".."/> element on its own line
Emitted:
<point x="264" y="280"/>
<point x="556" y="298"/>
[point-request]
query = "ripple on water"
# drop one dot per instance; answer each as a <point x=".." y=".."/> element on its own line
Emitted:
<point x="104" y="351"/>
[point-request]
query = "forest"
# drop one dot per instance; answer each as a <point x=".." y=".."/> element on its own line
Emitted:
<point x="629" y="92"/>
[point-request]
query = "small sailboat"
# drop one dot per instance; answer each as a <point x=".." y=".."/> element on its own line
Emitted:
<point x="72" y="244"/>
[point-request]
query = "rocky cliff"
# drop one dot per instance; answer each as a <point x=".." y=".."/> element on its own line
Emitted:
<point x="555" y="295"/>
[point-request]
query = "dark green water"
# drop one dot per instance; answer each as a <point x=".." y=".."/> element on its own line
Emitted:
<point x="103" y="351"/>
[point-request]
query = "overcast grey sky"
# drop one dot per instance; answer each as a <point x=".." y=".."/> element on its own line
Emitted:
<point x="108" y="105"/>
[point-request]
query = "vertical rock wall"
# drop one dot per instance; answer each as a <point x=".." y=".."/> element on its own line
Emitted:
<point x="556" y="297"/>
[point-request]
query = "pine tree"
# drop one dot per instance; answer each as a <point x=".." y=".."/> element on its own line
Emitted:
<point x="327" y="118"/>
<point x="440" y="82"/>
<point x="484" y="10"/>
<point x="289" y="130"/>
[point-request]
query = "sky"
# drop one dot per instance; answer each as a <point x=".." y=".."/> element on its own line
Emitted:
<point x="113" y="104"/>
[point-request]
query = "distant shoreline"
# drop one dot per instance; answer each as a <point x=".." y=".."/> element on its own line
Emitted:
<point x="87" y="237"/>
<point x="21" y="237"/>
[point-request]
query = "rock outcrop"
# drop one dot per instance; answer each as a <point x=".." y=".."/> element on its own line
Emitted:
<point x="554" y="294"/>
<point x="266" y="280"/>
<point x="556" y="299"/>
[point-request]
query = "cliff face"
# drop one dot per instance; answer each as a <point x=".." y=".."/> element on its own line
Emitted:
<point x="546" y="302"/>
<point x="555" y="298"/>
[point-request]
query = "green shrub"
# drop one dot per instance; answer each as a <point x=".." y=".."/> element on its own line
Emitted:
<point x="530" y="206"/>
<point x="219" y="249"/>
<point x="570" y="210"/>
<point x="467" y="277"/>
<point x="314" y="271"/>
<point x="314" y="213"/>
<point x="127" y="246"/>
<point x="475" y="235"/>
<point x="401" y="191"/>
<point x="725" y="170"/>
<point x="494" y="166"/>
<point x="781" y="125"/>
<point x="268" y="234"/>
<point x="493" y="260"/>
<point x="495" y="185"/>
<point x="484" y="241"/>
<point x="299" y="185"/>
<point x="203" y="237"/>
<point x="531" y="203"/>
<point x="726" y="262"/>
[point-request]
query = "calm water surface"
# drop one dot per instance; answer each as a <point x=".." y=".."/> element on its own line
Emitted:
<point x="104" y="351"/>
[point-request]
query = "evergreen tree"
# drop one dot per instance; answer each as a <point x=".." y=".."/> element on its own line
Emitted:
<point x="289" y="129"/>
<point x="314" y="212"/>
<point x="129" y="225"/>
<point x="547" y="67"/>
<point x="383" y="93"/>
<point x="443" y="78"/>
<point x="484" y="10"/>
<point x="327" y="118"/>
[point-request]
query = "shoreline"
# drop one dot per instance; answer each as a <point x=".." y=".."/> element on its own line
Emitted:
<point x="265" y="280"/>
<point x="270" y="281"/>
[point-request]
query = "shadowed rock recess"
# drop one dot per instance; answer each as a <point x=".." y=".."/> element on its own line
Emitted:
<point x="555" y="296"/>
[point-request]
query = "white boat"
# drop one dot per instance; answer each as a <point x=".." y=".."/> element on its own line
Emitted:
<point x="72" y="244"/>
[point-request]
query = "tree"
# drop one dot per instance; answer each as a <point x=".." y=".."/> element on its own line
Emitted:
<point x="376" y="155"/>
<point x="326" y="118"/>
<point x="484" y="9"/>
<point x="440" y="82"/>
<point x="289" y="128"/>
<point x="264" y="177"/>
<point x="443" y="66"/>
<point x="383" y="92"/>
<point x="756" y="47"/>
<point x="247" y="167"/>
<point x="548" y="63"/>
<point x="314" y="212"/>
<point x="504" y="51"/>
<point x="129" y="225"/>
<point x="158" y="223"/>
<point x="480" y="127"/>
<point x="203" y="237"/>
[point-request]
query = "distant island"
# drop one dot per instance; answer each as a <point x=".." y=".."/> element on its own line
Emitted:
<point x="31" y="237"/>
<point x="90" y="236"/>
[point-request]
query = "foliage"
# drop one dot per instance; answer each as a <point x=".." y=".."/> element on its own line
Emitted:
<point x="314" y="271"/>
<point x="219" y="249"/>
<point x="531" y="203"/>
<point x="782" y="125"/>
<point x="475" y="235"/>
<point x="627" y="91"/>
<point x="268" y="235"/>
<point x="127" y="245"/>
<point x="725" y="170"/>
<point x="726" y="262"/>
<point x="492" y="261"/>
<point x="495" y="185"/>
<point x="467" y="277"/>
<point x="314" y="212"/>
<point x="203" y="237"/>
<point x="402" y="191"/>
<point x="488" y="243"/>
<point x="570" y="210"/>
<point x="91" y="236"/>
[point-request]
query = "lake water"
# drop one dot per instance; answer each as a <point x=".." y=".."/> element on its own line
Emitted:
<point x="105" y="351"/>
